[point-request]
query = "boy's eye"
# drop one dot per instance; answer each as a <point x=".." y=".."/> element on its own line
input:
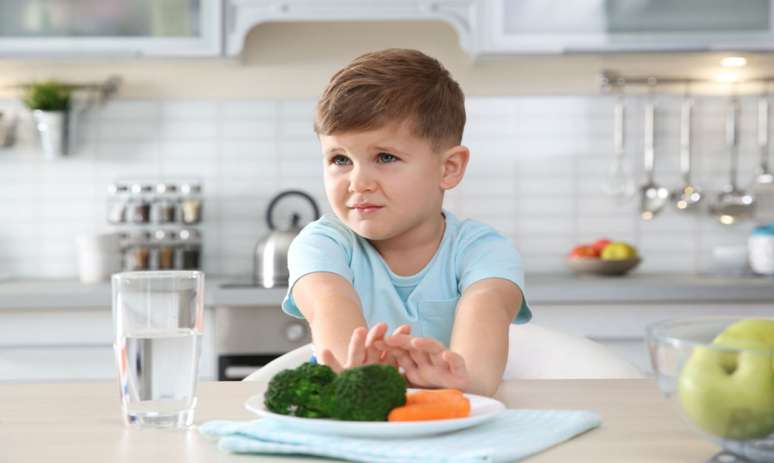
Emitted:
<point x="386" y="157"/>
<point x="340" y="160"/>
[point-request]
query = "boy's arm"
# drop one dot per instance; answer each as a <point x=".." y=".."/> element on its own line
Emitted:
<point x="331" y="306"/>
<point x="480" y="334"/>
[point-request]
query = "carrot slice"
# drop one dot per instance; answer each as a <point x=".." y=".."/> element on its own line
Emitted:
<point x="438" y="407"/>
<point x="432" y="395"/>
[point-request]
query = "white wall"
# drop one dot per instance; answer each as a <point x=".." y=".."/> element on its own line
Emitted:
<point x="536" y="173"/>
<point x="539" y="132"/>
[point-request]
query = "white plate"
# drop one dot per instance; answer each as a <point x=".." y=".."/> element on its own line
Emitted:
<point x="481" y="409"/>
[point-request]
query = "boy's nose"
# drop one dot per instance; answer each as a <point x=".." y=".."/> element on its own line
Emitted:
<point x="360" y="180"/>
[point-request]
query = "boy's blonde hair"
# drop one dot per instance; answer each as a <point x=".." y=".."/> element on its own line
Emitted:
<point x="393" y="85"/>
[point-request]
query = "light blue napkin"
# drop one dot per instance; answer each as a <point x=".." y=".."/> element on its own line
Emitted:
<point x="511" y="436"/>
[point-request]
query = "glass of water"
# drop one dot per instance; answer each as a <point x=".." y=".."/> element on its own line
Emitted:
<point x="158" y="324"/>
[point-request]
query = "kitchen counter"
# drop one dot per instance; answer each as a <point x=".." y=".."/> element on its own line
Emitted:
<point x="81" y="423"/>
<point x="648" y="288"/>
<point x="53" y="294"/>
<point x="540" y="288"/>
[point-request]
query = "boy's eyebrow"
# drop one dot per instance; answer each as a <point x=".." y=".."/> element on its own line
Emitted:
<point x="390" y="149"/>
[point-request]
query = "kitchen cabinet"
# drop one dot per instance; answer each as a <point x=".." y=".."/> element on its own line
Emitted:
<point x="621" y="326"/>
<point x="243" y="15"/>
<point x="67" y="344"/>
<point x="555" y="26"/>
<point x="485" y="27"/>
<point x="502" y="27"/>
<point x="110" y="28"/>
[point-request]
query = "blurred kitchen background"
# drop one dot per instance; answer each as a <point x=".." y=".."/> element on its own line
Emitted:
<point x="214" y="101"/>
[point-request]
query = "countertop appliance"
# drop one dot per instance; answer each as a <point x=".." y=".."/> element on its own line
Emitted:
<point x="270" y="266"/>
<point x="249" y="337"/>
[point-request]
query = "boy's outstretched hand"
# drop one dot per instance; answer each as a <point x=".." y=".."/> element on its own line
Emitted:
<point x="425" y="361"/>
<point x="365" y="347"/>
<point x="428" y="363"/>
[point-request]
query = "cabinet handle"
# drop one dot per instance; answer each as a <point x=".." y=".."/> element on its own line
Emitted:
<point x="239" y="372"/>
<point x="53" y="346"/>
<point x="616" y="338"/>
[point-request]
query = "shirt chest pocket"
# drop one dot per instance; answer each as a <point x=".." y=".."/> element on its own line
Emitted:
<point x="437" y="318"/>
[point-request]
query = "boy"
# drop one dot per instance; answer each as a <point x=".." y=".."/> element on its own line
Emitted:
<point x="390" y="126"/>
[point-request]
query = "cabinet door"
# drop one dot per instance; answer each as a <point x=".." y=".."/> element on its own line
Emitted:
<point x="243" y="15"/>
<point x="621" y="327"/>
<point x="114" y="27"/>
<point x="556" y="26"/>
<point x="51" y="345"/>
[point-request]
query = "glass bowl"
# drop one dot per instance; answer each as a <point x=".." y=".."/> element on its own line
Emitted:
<point x="723" y="386"/>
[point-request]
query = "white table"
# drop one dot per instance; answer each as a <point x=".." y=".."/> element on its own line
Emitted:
<point x="81" y="423"/>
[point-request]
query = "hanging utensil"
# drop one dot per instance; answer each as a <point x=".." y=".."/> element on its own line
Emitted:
<point x="733" y="204"/>
<point x="620" y="184"/>
<point x="653" y="197"/>
<point x="688" y="197"/>
<point x="765" y="177"/>
<point x="763" y="187"/>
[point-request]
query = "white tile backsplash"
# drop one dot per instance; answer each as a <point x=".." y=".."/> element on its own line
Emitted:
<point x="537" y="172"/>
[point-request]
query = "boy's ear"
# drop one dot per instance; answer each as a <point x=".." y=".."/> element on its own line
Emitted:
<point x="453" y="164"/>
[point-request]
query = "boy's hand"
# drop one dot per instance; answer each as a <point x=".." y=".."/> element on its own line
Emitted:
<point x="428" y="363"/>
<point x="365" y="347"/>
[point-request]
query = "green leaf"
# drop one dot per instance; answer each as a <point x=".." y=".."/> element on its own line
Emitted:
<point x="49" y="95"/>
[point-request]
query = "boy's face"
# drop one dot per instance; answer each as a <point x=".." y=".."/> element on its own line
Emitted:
<point x="385" y="182"/>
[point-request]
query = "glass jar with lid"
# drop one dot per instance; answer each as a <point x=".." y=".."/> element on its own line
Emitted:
<point x="164" y="206"/>
<point x="137" y="252"/>
<point x="118" y="196"/>
<point x="138" y="206"/>
<point x="188" y="250"/>
<point x="162" y="250"/>
<point x="191" y="203"/>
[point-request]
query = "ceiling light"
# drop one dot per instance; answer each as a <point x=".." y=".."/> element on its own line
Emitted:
<point x="733" y="61"/>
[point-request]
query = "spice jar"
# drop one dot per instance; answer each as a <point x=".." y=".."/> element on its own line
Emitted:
<point x="190" y="203"/>
<point x="138" y="206"/>
<point x="162" y="250"/>
<point x="117" y="202"/>
<point x="164" y="207"/>
<point x="137" y="253"/>
<point x="188" y="251"/>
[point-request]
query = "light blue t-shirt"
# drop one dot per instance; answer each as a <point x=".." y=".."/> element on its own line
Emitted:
<point x="470" y="251"/>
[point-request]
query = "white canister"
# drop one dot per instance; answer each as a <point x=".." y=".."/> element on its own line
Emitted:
<point x="761" y="246"/>
<point x="99" y="256"/>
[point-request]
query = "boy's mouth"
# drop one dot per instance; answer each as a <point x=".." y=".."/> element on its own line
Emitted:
<point x="365" y="207"/>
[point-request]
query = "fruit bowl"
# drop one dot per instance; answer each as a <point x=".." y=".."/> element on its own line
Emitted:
<point x="719" y="374"/>
<point x="595" y="266"/>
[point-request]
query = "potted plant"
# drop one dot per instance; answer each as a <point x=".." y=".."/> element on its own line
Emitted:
<point x="50" y="105"/>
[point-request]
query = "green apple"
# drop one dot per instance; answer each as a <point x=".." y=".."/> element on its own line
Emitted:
<point x="746" y="331"/>
<point x="730" y="392"/>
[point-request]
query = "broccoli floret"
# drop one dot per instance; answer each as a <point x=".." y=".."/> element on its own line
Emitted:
<point x="366" y="393"/>
<point x="300" y="392"/>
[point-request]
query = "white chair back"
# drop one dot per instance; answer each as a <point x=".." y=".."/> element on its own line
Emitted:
<point x="291" y="359"/>
<point x="534" y="352"/>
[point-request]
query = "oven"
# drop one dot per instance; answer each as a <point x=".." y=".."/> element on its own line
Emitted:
<point x="249" y="337"/>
